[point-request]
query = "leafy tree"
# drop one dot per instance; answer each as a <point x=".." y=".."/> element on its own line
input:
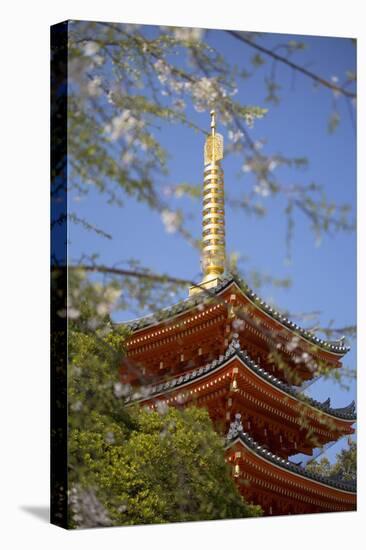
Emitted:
<point x="345" y="465"/>
<point x="169" y="468"/>
<point x="322" y="467"/>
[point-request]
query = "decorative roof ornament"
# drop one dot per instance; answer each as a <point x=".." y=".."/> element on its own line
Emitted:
<point x="234" y="344"/>
<point x="236" y="428"/>
<point x="349" y="410"/>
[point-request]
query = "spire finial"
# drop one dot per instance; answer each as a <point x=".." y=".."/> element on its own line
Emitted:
<point x="213" y="122"/>
<point x="213" y="219"/>
<point x="213" y="230"/>
<point x="214" y="146"/>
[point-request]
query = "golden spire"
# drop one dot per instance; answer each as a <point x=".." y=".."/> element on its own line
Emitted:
<point x="213" y="219"/>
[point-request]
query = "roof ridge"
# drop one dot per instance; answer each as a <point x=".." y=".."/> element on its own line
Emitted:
<point x="285" y="321"/>
<point x="183" y="305"/>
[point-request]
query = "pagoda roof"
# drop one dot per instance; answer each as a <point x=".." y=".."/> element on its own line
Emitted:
<point x="335" y="347"/>
<point x="234" y="350"/>
<point x="237" y="435"/>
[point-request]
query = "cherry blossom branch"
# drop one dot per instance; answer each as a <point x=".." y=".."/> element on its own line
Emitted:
<point x="295" y="66"/>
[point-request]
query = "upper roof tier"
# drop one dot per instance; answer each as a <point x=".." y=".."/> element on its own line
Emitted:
<point x="335" y="348"/>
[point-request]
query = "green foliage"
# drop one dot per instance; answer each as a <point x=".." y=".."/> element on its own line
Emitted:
<point x="322" y="467"/>
<point x="345" y="465"/>
<point x="257" y="60"/>
<point x="169" y="468"/>
<point x="333" y="122"/>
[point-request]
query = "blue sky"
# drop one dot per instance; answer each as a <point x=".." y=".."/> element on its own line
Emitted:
<point x="323" y="276"/>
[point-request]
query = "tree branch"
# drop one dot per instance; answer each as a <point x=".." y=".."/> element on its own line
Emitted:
<point x="294" y="66"/>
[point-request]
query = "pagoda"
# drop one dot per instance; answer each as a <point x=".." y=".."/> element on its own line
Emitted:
<point x="223" y="348"/>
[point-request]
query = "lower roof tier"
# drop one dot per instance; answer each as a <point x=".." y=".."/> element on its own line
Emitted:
<point x="280" y="486"/>
<point x="275" y="413"/>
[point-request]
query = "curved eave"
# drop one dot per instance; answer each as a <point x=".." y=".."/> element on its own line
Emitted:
<point x="345" y="414"/>
<point x="189" y="304"/>
<point x="284" y="322"/>
<point x="274" y="460"/>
